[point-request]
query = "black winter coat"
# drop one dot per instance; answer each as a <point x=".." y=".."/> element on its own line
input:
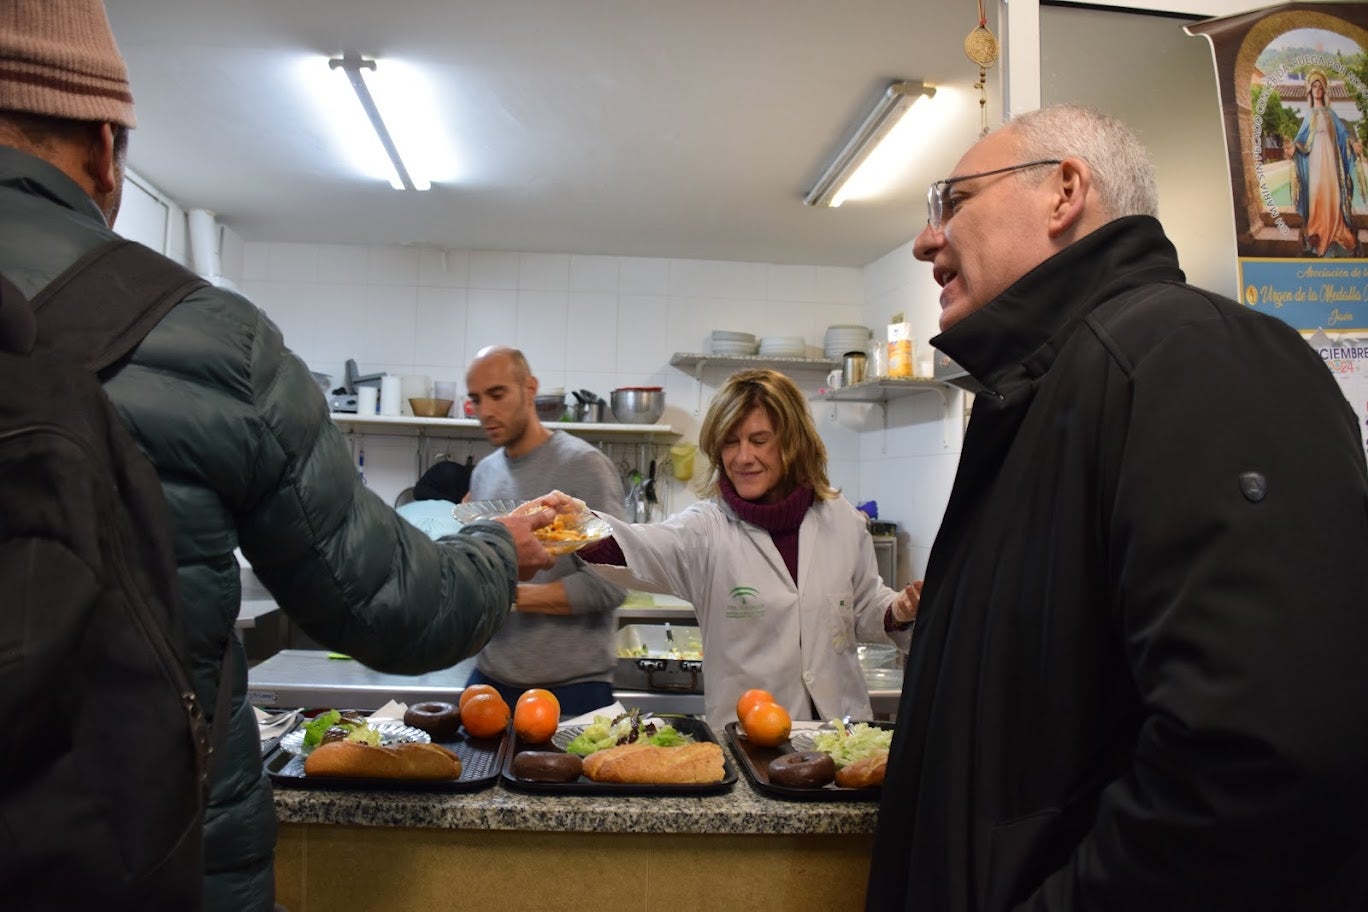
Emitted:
<point x="1139" y="679"/>
<point x="248" y="457"/>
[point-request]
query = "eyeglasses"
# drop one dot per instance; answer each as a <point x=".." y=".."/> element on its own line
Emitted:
<point x="939" y="206"/>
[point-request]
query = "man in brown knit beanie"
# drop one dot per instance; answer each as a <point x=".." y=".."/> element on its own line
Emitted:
<point x="64" y="85"/>
<point x="248" y="459"/>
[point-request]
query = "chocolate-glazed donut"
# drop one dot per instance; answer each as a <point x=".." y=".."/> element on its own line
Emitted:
<point x="804" y="769"/>
<point x="440" y="720"/>
<point x="547" y="766"/>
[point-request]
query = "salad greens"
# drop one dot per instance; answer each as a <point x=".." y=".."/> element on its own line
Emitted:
<point x="605" y="732"/>
<point x="315" y="729"/>
<point x="846" y="744"/>
<point x="356" y="728"/>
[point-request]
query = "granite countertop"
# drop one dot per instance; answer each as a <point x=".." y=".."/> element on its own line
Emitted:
<point x="741" y="811"/>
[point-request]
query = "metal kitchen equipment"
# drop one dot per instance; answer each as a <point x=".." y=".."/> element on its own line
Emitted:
<point x="308" y="677"/>
<point x="588" y="412"/>
<point x="343" y="399"/>
<point x="885" y="535"/>
<point x="353" y="379"/>
<point x="648" y="490"/>
<point x="342" y="402"/>
<point x="659" y="657"/>
<point x="852" y="368"/>
<point x="638" y="404"/>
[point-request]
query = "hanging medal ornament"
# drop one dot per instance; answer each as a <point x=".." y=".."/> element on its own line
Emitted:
<point x="981" y="47"/>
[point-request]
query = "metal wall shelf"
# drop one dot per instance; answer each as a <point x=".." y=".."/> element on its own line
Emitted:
<point x="882" y="391"/>
<point x="697" y="361"/>
<point x="469" y="428"/>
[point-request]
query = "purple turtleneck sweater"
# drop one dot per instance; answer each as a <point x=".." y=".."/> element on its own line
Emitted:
<point x="780" y="519"/>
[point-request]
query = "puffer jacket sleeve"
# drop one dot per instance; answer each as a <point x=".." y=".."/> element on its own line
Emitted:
<point x="338" y="560"/>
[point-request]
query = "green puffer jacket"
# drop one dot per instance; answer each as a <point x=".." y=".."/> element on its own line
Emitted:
<point x="239" y="432"/>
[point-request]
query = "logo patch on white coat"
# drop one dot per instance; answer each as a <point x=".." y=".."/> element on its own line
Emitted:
<point x="744" y="603"/>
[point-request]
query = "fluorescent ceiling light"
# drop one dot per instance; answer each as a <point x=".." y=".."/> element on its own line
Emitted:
<point x="864" y="153"/>
<point x="352" y="65"/>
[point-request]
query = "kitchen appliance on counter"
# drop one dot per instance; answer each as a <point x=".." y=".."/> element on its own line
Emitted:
<point x="343" y="399"/>
<point x="589" y="406"/>
<point x="659" y="657"/>
<point x="885" y="535"/>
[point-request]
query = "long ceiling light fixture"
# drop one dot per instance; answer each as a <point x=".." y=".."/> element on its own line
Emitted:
<point x="899" y="98"/>
<point x="352" y="64"/>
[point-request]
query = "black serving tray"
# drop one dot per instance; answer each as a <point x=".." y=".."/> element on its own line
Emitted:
<point x="688" y="725"/>
<point x="755" y="760"/>
<point x="481" y="760"/>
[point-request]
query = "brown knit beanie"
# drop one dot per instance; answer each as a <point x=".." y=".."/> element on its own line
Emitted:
<point x="58" y="58"/>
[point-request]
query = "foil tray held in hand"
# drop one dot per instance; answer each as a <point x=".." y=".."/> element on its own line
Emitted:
<point x="584" y="528"/>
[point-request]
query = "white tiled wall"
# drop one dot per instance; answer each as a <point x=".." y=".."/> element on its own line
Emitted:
<point x="584" y="322"/>
<point x="908" y="454"/>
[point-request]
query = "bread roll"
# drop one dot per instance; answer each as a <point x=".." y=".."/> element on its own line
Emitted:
<point x="865" y="773"/>
<point x="698" y="762"/>
<point x="392" y="761"/>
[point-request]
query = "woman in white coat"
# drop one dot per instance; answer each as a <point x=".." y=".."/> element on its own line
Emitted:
<point x="779" y="567"/>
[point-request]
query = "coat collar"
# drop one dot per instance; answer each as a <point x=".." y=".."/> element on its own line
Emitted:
<point x="33" y="176"/>
<point x="1015" y="337"/>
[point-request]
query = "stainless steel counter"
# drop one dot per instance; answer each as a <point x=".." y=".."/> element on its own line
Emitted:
<point x="306" y="677"/>
<point x="253" y="612"/>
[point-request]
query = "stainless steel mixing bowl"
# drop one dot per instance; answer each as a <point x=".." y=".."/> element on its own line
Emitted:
<point x="637" y="404"/>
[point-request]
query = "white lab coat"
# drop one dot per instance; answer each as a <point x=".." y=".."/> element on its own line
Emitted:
<point x="759" y="629"/>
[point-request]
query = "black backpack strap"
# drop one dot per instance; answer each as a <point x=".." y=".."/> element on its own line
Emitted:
<point x="105" y="303"/>
<point x="17" y="328"/>
<point x="97" y="311"/>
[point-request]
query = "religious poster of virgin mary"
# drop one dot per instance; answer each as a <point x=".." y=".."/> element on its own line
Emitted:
<point x="1293" y="83"/>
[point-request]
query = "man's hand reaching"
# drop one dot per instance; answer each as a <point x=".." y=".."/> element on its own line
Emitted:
<point x="521" y="524"/>
<point x="558" y="501"/>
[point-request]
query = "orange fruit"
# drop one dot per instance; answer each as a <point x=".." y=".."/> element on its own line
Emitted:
<point x="767" y="725"/>
<point x="485" y="715"/>
<point x="474" y="690"/>
<point x="750" y="699"/>
<point x="538" y="693"/>
<point x="536" y="716"/>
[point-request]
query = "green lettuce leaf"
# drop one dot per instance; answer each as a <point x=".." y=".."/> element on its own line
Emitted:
<point x="314" y="730"/>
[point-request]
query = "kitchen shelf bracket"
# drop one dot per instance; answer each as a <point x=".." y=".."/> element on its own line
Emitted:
<point x="698" y="386"/>
<point x="943" y="393"/>
<point x="883" y="391"/>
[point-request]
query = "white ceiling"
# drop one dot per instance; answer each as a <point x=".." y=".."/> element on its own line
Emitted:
<point x="628" y="127"/>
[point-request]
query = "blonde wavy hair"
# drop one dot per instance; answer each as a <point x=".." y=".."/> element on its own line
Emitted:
<point x="801" y="451"/>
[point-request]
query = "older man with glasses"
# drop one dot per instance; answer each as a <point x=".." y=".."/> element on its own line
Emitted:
<point x="1138" y="676"/>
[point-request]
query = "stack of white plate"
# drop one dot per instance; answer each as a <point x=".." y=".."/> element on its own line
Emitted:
<point x="845" y="337"/>
<point x="783" y="346"/>
<point x="724" y="342"/>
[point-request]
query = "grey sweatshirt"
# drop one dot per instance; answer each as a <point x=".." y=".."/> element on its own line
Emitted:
<point x="538" y="650"/>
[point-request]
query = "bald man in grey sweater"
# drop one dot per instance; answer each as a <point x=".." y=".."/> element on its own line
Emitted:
<point x="561" y="634"/>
